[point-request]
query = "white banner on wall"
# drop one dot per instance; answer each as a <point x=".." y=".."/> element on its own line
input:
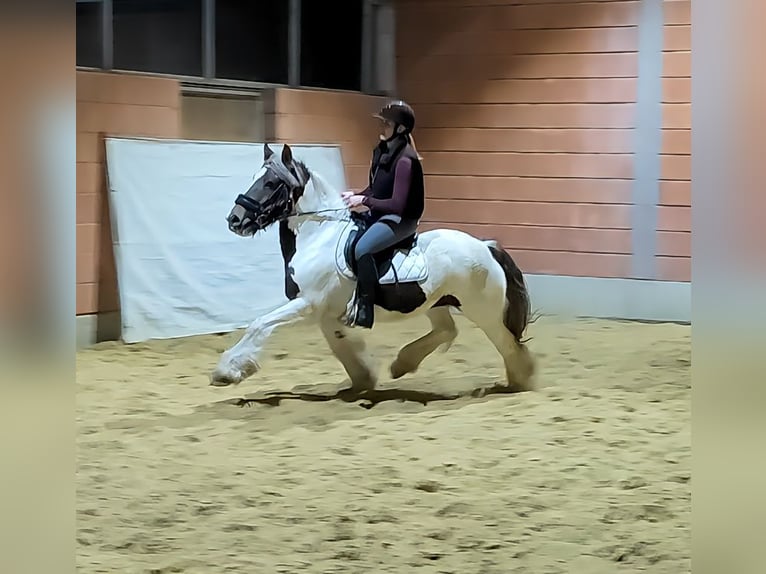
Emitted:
<point x="180" y="271"/>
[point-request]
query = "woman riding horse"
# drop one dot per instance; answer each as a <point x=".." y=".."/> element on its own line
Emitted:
<point x="395" y="198"/>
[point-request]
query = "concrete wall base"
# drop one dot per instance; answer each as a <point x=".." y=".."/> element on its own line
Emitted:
<point x="635" y="299"/>
<point x="95" y="328"/>
<point x="632" y="299"/>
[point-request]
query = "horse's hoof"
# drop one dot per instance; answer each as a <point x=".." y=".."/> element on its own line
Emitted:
<point x="223" y="380"/>
<point x="363" y="386"/>
<point x="220" y="382"/>
<point x="398" y="369"/>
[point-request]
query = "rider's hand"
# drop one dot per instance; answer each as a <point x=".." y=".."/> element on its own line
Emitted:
<point x="353" y="201"/>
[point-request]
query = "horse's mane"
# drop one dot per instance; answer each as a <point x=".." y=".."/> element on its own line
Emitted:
<point x="324" y="191"/>
<point x="303" y="167"/>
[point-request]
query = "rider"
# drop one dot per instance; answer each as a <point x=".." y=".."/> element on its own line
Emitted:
<point x="395" y="198"/>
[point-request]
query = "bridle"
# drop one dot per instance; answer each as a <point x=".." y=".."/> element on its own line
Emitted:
<point x="283" y="198"/>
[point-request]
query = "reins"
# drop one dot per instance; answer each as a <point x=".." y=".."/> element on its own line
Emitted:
<point x="318" y="212"/>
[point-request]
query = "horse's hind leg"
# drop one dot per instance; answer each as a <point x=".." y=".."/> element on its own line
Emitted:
<point x="443" y="332"/>
<point x="518" y="365"/>
<point x="487" y="314"/>
<point x="351" y="351"/>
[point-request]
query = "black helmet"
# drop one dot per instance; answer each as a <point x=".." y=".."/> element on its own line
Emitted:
<point x="399" y="113"/>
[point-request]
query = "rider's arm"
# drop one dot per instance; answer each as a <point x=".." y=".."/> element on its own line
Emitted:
<point x="398" y="200"/>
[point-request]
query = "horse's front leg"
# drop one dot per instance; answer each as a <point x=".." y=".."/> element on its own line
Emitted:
<point x="241" y="360"/>
<point x="350" y="350"/>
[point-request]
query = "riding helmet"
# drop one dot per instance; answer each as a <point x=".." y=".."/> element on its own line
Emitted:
<point x="399" y="113"/>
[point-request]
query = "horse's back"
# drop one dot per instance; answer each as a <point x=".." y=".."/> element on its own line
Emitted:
<point x="455" y="240"/>
<point x="459" y="259"/>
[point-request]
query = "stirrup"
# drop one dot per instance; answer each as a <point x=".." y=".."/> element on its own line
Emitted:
<point x="349" y="318"/>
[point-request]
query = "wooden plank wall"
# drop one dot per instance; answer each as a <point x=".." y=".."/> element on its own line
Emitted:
<point x="525" y="119"/>
<point x="110" y="104"/>
<point x="143" y="105"/>
<point x="327" y="117"/>
<point x="674" y="218"/>
<point x="526" y="112"/>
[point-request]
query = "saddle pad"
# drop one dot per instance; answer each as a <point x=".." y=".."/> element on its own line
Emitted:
<point x="406" y="267"/>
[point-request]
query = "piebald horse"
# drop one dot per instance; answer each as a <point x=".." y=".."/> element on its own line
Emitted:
<point x="428" y="274"/>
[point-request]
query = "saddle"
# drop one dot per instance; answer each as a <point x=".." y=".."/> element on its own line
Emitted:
<point x="403" y="262"/>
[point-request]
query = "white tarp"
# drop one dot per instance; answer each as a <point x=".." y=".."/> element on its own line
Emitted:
<point x="180" y="271"/>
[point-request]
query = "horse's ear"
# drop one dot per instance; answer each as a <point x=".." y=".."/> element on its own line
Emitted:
<point x="267" y="152"/>
<point x="287" y="155"/>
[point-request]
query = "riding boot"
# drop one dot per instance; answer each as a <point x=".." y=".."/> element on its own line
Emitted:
<point x="367" y="279"/>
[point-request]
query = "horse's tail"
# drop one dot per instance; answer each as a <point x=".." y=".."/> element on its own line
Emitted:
<point x="518" y="309"/>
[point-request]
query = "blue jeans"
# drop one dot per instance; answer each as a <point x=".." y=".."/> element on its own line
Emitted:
<point x="385" y="232"/>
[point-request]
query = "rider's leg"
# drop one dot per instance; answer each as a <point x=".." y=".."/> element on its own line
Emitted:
<point x="385" y="232"/>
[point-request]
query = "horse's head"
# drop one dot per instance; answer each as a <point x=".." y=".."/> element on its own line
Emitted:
<point x="273" y="196"/>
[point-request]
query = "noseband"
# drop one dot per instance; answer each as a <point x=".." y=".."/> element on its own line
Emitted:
<point x="281" y="198"/>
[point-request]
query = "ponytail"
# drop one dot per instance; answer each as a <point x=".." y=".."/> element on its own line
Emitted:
<point x="412" y="143"/>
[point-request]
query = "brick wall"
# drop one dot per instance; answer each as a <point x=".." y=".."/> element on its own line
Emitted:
<point x="674" y="225"/>
<point x="526" y="113"/>
<point x="316" y="117"/>
<point x="110" y="104"/>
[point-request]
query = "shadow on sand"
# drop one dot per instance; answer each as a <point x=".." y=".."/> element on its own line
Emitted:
<point x="366" y="399"/>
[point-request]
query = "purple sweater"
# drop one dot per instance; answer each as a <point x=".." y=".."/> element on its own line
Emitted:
<point x="398" y="200"/>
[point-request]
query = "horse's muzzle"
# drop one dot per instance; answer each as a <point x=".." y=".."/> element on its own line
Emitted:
<point x="240" y="220"/>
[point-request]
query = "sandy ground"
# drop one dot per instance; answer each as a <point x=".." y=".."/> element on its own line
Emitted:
<point x="590" y="474"/>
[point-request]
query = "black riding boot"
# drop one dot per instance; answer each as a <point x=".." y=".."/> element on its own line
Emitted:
<point x="367" y="280"/>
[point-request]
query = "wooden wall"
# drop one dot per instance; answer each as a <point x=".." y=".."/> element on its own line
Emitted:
<point x="110" y="104"/>
<point x="526" y="113"/>
<point x="326" y="117"/>
<point x="674" y="222"/>
<point x="143" y="105"/>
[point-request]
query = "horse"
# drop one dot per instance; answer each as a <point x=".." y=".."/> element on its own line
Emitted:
<point x="430" y="273"/>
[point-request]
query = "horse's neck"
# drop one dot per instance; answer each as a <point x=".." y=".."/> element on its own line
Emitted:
<point x="319" y="195"/>
<point x="324" y="209"/>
